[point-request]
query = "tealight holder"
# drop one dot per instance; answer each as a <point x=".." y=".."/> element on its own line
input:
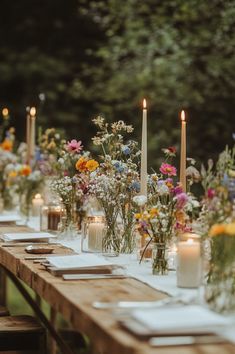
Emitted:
<point x="50" y="217"/>
<point x="93" y="232"/>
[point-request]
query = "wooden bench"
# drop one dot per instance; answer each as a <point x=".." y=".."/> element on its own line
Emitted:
<point x="22" y="334"/>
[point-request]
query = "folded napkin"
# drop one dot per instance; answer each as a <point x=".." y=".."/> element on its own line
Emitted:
<point x="7" y="217"/>
<point x="27" y="236"/>
<point x="78" y="261"/>
<point x="180" y="320"/>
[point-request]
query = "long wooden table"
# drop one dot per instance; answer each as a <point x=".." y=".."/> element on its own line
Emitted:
<point x="73" y="299"/>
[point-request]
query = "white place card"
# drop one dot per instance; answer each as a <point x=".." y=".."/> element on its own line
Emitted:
<point x="27" y="236"/>
<point x="78" y="261"/>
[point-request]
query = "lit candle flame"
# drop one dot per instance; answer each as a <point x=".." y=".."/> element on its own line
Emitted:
<point x="37" y="196"/>
<point x="144" y="104"/>
<point x="33" y="111"/>
<point x="5" y="112"/>
<point x="190" y="241"/>
<point x="182" y="115"/>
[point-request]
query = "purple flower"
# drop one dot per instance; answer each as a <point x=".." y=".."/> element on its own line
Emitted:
<point x="178" y="190"/>
<point x="182" y="199"/>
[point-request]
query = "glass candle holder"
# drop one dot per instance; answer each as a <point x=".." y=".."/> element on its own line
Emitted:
<point x="50" y="217"/>
<point x="93" y="232"/>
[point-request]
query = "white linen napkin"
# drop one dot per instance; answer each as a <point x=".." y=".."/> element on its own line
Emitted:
<point x="78" y="261"/>
<point x="26" y="236"/>
<point x="180" y="319"/>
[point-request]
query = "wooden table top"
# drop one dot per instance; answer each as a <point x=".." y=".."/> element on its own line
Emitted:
<point x="73" y="300"/>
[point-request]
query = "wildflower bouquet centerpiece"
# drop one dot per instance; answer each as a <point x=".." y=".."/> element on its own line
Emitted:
<point x="219" y="190"/>
<point x="115" y="183"/>
<point x="7" y="160"/>
<point x="220" y="288"/>
<point x="165" y="214"/>
<point x="72" y="183"/>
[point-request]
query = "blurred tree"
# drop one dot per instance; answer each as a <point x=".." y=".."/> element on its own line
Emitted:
<point x="178" y="54"/>
<point x="104" y="56"/>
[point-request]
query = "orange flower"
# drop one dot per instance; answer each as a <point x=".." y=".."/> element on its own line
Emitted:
<point x="217" y="229"/>
<point x="92" y="165"/>
<point x="153" y="212"/>
<point x="81" y="164"/>
<point x="25" y="170"/>
<point x="7" y="145"/>
<point x="180" y="216"/>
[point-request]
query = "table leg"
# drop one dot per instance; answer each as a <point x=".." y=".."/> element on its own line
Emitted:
<point x="53" y="316"/>
<point x="3" y="287"/>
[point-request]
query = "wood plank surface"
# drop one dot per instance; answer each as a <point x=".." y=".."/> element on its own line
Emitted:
<point x="74" y="300"/>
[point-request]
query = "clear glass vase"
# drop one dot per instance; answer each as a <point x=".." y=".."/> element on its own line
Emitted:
<point x="111" y="242"/>
<point x="24" y="208"/>
<point x="220" y="289"/>
<point x="68" y="227"/>
<point x="159" y="258"/>
<point x="129" y="234"/>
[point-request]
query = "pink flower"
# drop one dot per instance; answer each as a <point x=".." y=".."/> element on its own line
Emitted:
<point x="182" y="199"/>
<point x="210" y="193"/>
<point x="74" y="146"/>
<point x="167" y="169"/>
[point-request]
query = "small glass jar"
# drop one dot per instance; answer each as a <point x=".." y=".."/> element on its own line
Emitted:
<point x="93" y="232"/>
<point x="50" y="217"/>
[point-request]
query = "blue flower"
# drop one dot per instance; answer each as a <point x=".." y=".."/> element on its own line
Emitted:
<point x="126" y="150"/>
<point x="118" y="166"/>
<point x="135" y="186"/>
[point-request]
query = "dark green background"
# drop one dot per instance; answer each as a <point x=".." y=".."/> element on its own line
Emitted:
<point x="91" y="57"/>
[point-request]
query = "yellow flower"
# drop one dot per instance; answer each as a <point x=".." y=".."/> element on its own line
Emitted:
<point x="231" y="173"/>
<point x="7" y="145"/>
<point x="230" y="229"/>
<point x="12" y="174"/>
<point x="81" y="164"/>
<point x="153" y="212"/>
<point x="137" y="216"/>
<point x="92" y="165"/>
<point x="169" y="184"/>
<point x="217" y="229"/>
<point x="25" y="170"/>
<point x="180" y="216"/>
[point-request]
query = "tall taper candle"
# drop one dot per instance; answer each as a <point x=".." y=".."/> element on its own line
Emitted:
<point x="32" y="131"/>
<point x="143" y="171"/>
<point x="183" y="152"/>
<point x="28" y="134"/>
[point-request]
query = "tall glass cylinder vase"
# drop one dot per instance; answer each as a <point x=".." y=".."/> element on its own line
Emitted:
<point x="159" y="258"/>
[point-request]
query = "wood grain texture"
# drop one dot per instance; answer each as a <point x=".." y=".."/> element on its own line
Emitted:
<point x="74" y="299"/>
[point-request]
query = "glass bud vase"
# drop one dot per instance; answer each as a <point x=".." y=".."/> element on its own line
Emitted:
<point x="68" y="228"/>
<point x="159" y="258"/>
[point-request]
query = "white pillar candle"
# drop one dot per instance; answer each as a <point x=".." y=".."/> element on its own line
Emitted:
<point x="95" y="235"/>
<point x="143" y="169"/>
<point x="189" y="264"/>
<point x="37" y="203"/>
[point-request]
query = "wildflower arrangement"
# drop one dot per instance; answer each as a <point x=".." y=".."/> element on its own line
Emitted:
<point x="7" y="159"/>
<point x="50" y="144"/>
<point x="220" y="291"/>
<point x="168" y="211"/>
<point x="28" y="182"/>
<point x="73" y="167"/>
<point x="218" y="182"/>
<point x="116" y="182"/>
